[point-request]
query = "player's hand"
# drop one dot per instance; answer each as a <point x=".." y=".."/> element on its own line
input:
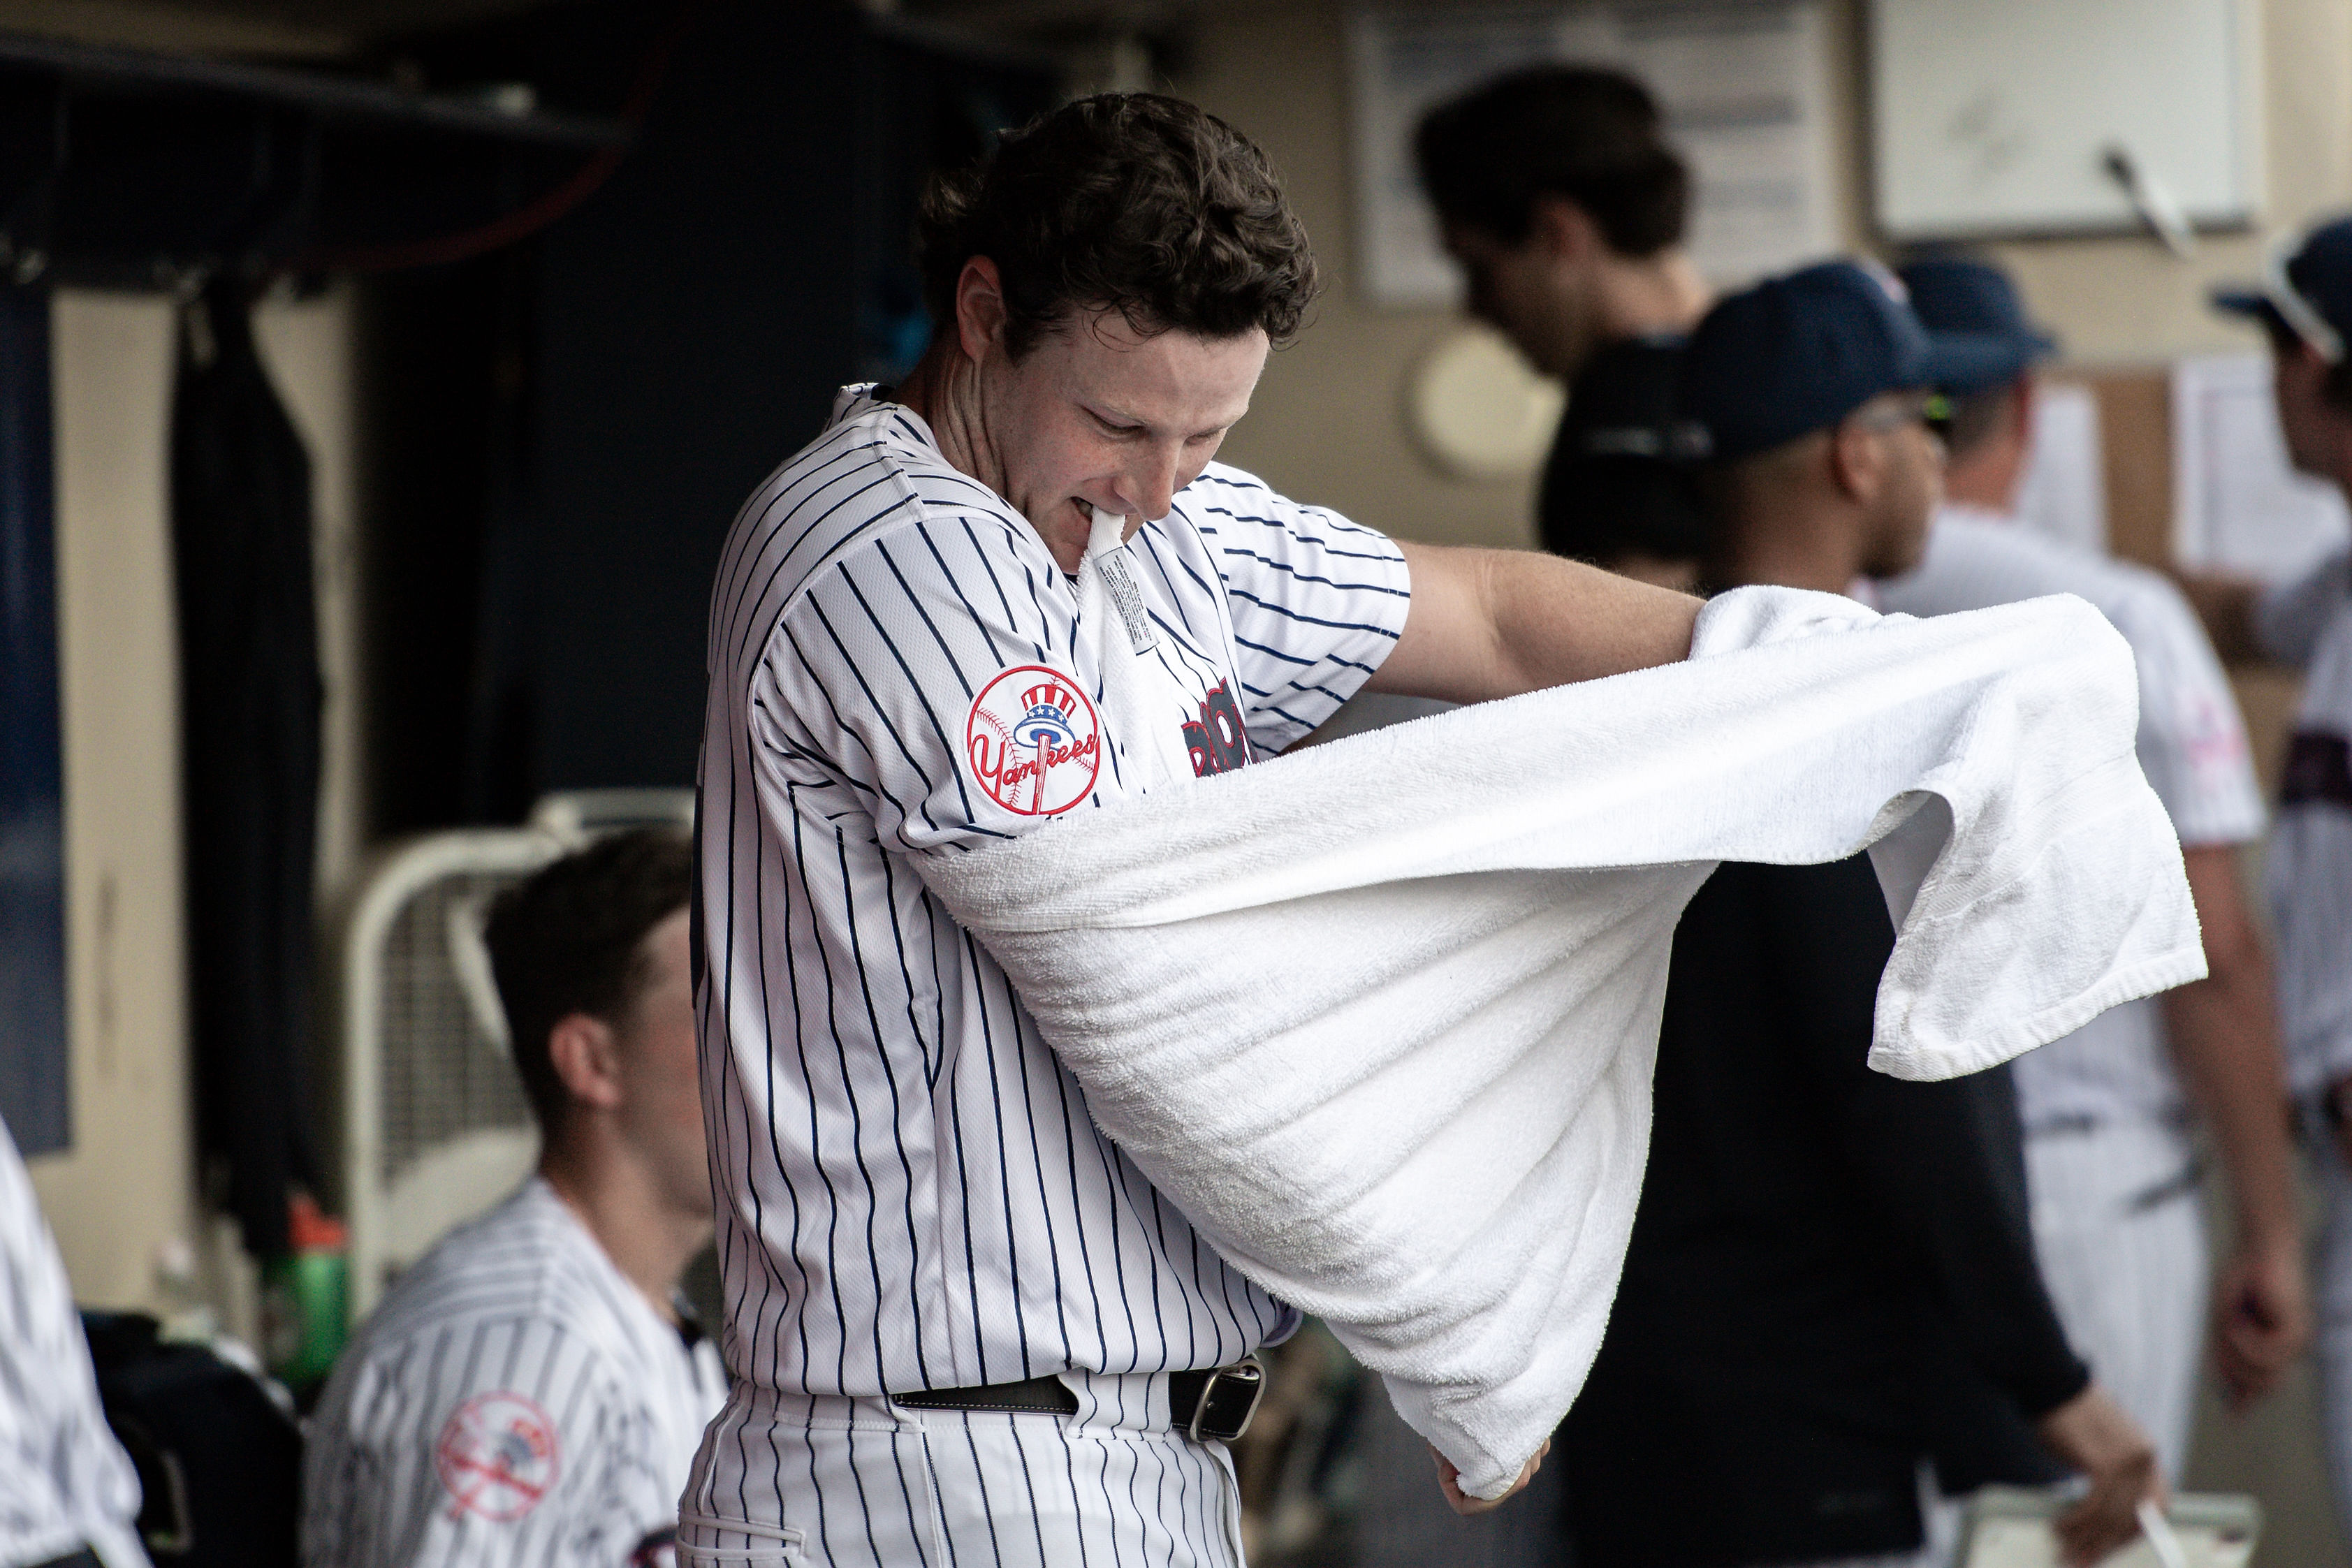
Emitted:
<point x="2092" y="1433"/>
<point x="1449" y="1481"/>
<point x="2261" y="1316"/>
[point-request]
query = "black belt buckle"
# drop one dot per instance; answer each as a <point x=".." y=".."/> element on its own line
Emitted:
<point x="1229" y="1399"/>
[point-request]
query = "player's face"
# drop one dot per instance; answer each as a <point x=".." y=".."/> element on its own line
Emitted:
<point x="2299" y="383"/>
<point x="1529" y="292"/>
<point x="661" y="1102"/>
<point x="1914" y="488"/>
<point x="1099" y="414"/>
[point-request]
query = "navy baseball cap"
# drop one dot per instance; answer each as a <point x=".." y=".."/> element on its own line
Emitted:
<point x="1960" y="297"/>
<point x="2305" y="291"/>
<point x="1799" y="353"/>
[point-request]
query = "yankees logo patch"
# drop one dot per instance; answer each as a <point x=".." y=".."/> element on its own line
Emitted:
<point x="498" y="1457"/>
<point x="1032" y="741"/>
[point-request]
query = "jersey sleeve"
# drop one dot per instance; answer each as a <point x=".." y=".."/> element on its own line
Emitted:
<point x="2192" y="740"/>
<point x="1318" y="601"/>
<point x="478" y="1446"/>
<point x="930" y="680"/>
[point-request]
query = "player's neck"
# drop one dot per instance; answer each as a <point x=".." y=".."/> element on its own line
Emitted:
<point x="943" y="389"/>
<point x="615" y="1198"/>
<point x="1986" y="479"/>
<point x="1789" y="541"/>
<point x="1640" y="298"/>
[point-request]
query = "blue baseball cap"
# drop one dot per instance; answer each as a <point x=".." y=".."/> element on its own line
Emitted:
<point x="2307" y="290"/>
<point x="1799" y="353"/>
<point x="1960" y="297"/>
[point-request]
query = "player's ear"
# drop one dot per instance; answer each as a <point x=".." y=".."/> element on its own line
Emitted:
<point x="1564" y="231"/>
<point x="980" y="307"/>
<point x="586" y="1057"/>
<point x="1856" y="459"/>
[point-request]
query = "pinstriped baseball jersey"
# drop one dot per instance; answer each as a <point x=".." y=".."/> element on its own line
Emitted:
<point x="515" y="1400"/>
<point x="64" y="1482"/>
<point x="2311" y="869"/>
<point x="2191" y="745"/>
<point x="913" y="1195"/>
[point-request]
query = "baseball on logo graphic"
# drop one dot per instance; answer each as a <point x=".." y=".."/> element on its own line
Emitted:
<point x="496" y="1456"/>
<point x="1032" y="741"/>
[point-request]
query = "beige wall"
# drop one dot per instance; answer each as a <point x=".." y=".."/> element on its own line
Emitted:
<point x="127" y="1186"/>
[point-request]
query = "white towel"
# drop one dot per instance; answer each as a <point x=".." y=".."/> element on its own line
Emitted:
<point x="1379" y="1016"/>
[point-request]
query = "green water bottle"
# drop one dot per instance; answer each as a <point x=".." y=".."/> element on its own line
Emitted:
<point x="305" y="1299"/>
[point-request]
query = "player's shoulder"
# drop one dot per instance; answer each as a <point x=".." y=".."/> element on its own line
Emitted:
<point x="873" y="484"/>
<point x="526" y="1266"/>
<point x="1225" y="495"/>
<point x="1974" y="563"/>
<point x="1237" y="510"/>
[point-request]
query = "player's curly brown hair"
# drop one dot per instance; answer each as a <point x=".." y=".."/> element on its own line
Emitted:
<point x="1129" y="202"/>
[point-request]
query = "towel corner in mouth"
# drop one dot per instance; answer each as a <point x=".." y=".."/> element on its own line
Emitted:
<point x="1379" y="1016"/>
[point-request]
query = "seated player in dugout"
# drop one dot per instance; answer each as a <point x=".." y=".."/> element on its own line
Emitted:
<point x="2112" y="1111"/>
<point x="532" y="1389"/>
<point x="1807" y="1335"/>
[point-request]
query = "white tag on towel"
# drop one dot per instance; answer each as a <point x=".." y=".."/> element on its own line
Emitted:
<point x="1119" y="575"/>
<point x="1146" y="708"/>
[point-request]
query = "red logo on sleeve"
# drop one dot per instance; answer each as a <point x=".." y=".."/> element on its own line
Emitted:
<point x="498" y="1457"/>
<point x="1032" y="741"/>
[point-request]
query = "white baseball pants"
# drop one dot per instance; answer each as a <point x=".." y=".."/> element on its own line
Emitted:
<point x="802" y="1479"/>
<point x="2119" y="1225"/>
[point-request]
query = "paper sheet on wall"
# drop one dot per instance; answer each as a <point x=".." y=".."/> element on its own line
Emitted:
<point x="1743" y="85"/>
<point x="2236" y="505"/>
<point x="2063" y="490"/>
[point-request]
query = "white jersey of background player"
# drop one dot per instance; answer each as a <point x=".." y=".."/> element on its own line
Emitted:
<point x="2305" y="305"/>
<point x="2108" y="1111"/>
<point x="913" y="1198"/>
<point x="65" y="1484"/>
<point x="530" y="1390"/>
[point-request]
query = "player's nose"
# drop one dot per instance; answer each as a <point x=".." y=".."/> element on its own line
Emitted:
<point x="1150" y="485"/>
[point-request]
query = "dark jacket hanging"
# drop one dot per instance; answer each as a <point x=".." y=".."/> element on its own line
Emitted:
<point x="249" y="706"/>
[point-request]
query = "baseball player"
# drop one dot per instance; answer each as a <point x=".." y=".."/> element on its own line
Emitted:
<point x="2306" y="306"/>
<point x="963" y="1326"/>
<point x="68" y="1497"/>
<point x="2109" y="1110"/>
<point x="531" y="1390"/>
<point x="1565" y="207"/>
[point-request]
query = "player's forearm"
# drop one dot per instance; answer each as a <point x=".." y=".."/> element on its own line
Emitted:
<point x="2224" y="1033"/>
<point x="2227" y="1045"/>
<point x="1486" y="623"/>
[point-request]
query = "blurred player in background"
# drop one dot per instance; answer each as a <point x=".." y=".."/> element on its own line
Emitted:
<point x="68" y="1497"/>
<point x="533" y="1389"/>
<point x="2111" y="1111"/>
<point x="2305" y="305"/>
<point x="1566" y="207"/>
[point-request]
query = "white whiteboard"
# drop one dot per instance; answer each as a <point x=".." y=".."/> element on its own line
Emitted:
<point x="1993" y="117"/>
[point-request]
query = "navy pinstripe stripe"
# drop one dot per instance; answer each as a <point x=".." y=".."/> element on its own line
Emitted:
<point x="906" y="1161"/>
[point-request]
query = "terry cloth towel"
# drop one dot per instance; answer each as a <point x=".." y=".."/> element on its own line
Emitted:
<point x="1381" y="1015"/>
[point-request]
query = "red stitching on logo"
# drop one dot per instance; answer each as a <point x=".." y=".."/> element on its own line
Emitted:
<point x="496" y="1456"/>
<point x="1032" y="741"/>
